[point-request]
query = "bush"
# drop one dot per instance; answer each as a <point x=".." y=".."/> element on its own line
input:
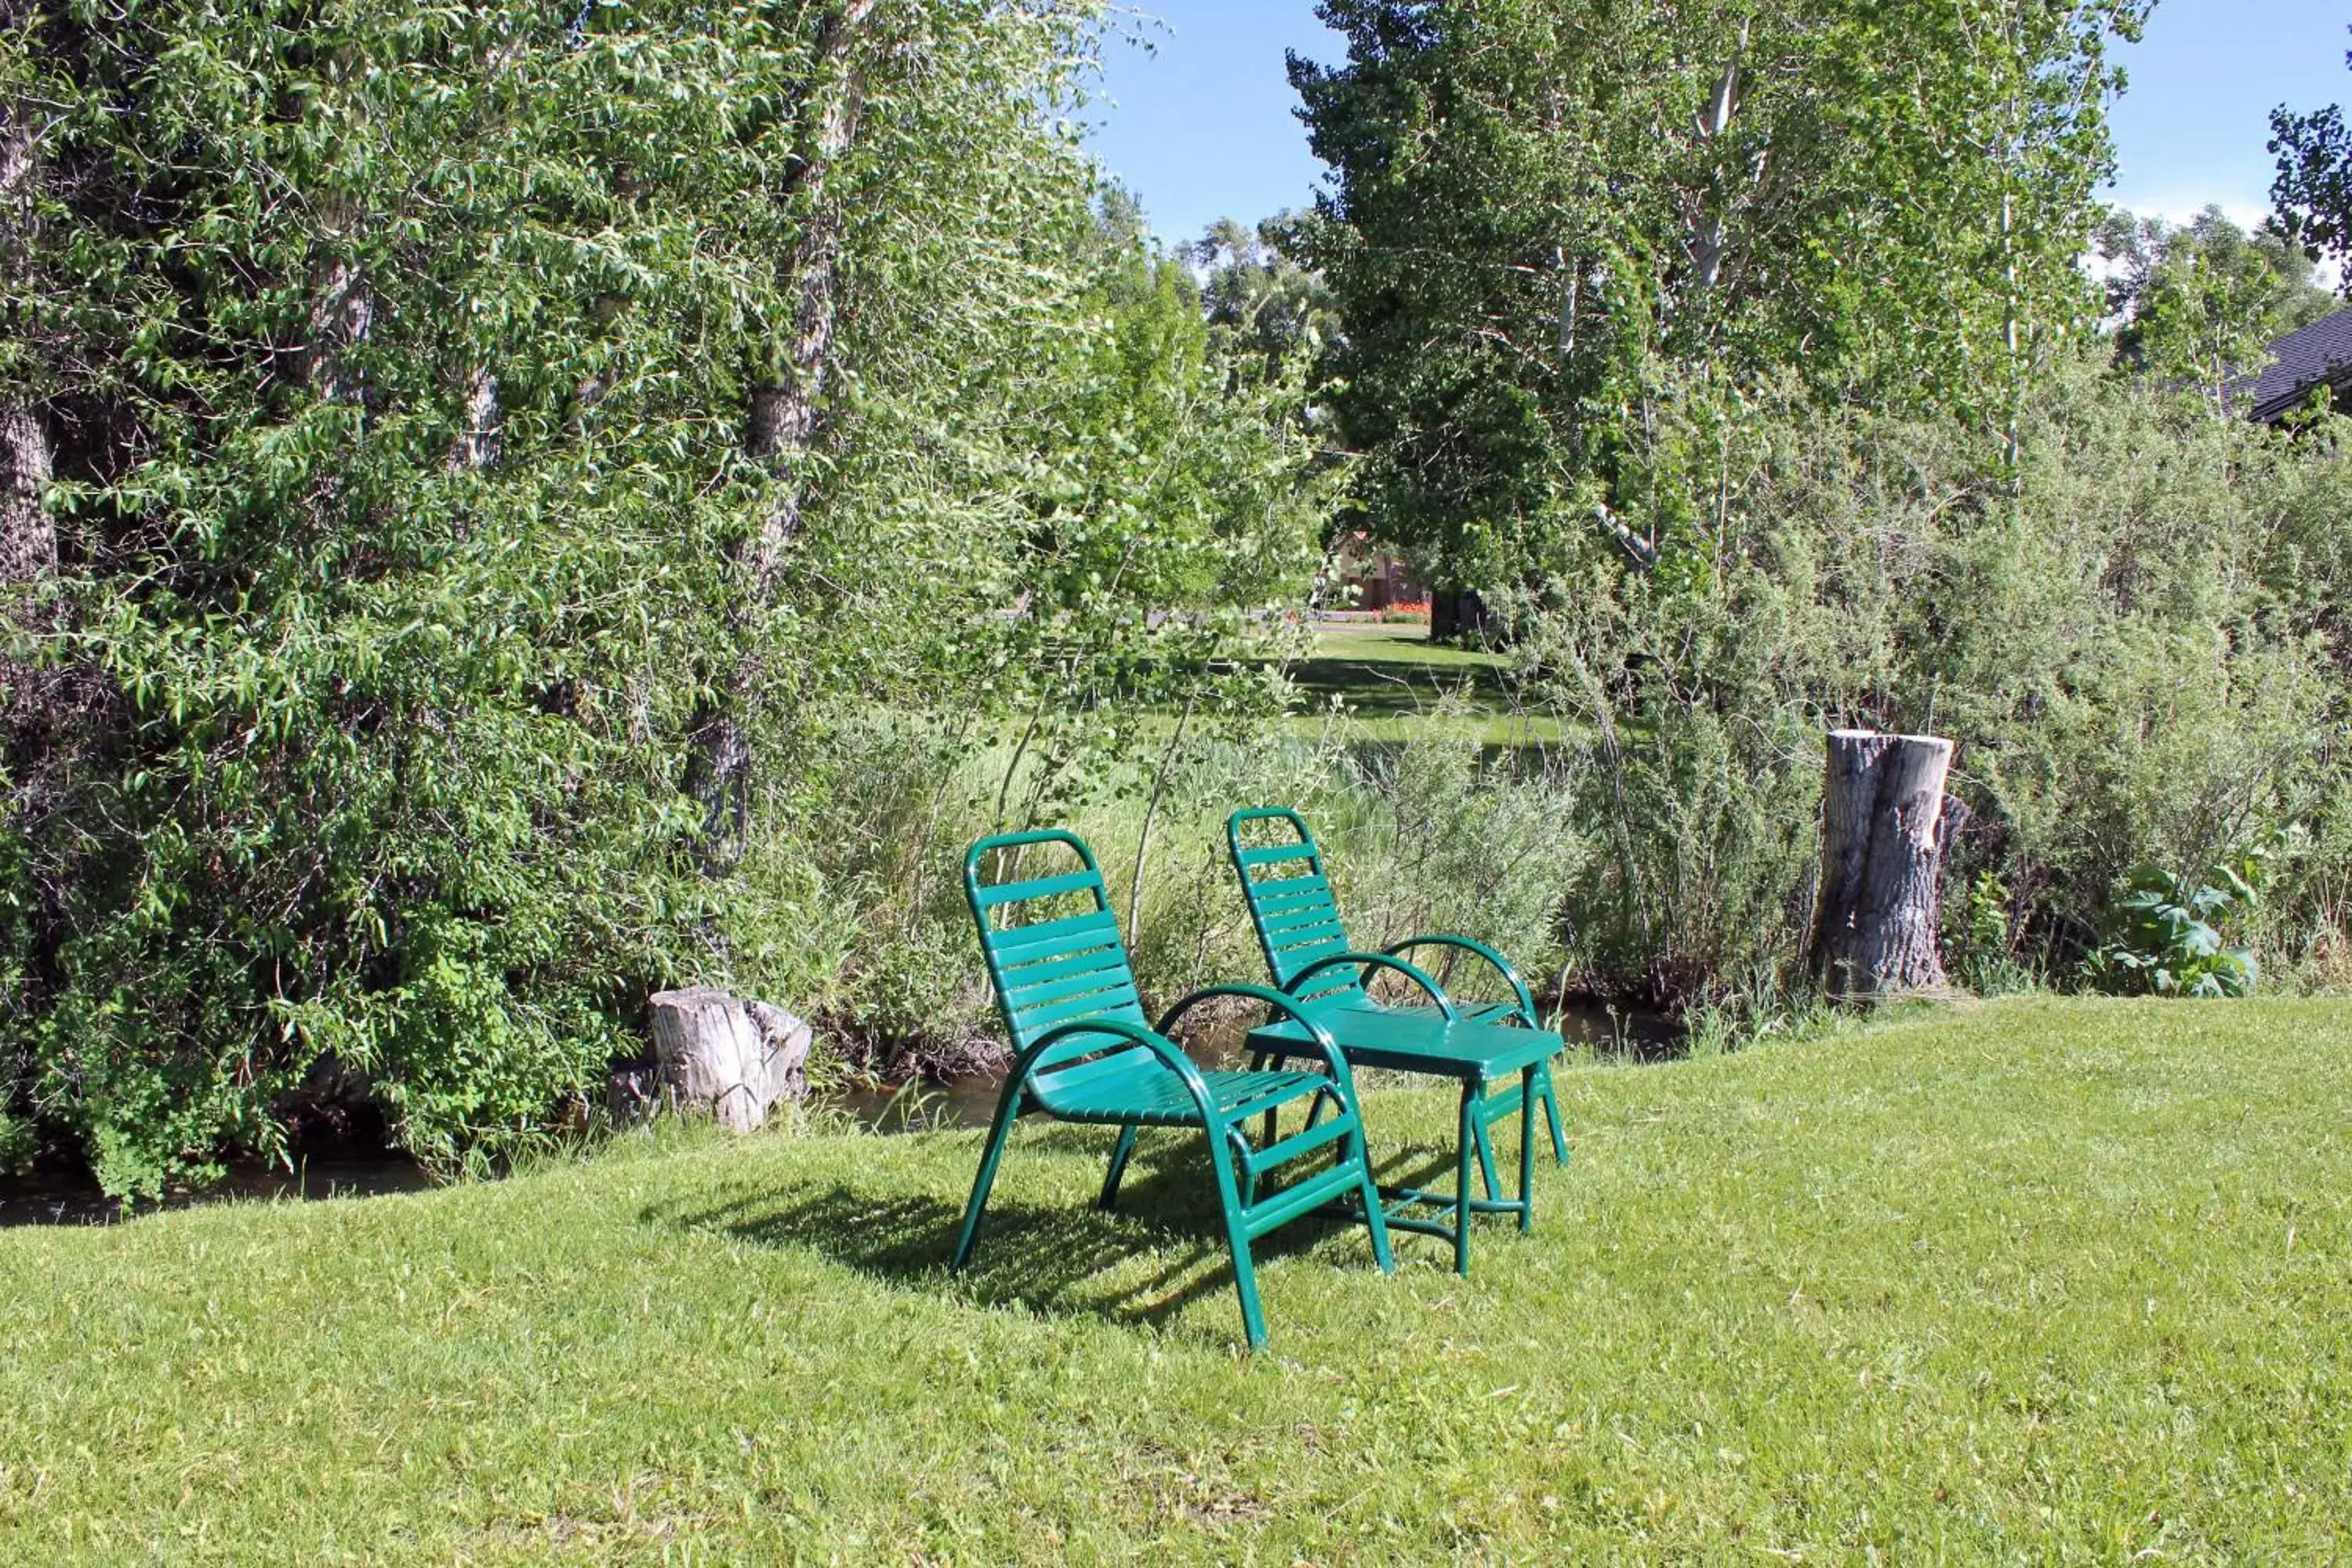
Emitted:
<point x="2167" y="939"/>
<point x="2130" y="637"/>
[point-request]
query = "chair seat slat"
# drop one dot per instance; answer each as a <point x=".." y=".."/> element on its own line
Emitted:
<point x="1273" y="896"/>
<point x="1305" y="917"/>
<point x="1120" y="1002"/>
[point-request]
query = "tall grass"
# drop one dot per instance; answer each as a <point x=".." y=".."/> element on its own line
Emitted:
<point x="1432" y="834"/>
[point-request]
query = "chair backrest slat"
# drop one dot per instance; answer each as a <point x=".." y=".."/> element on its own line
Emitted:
<point x="1024" y="944"/>
<point x="1292" y="892"/>
<point x="1054" y="970"/>
<point x="1288" y="890"/>
<point x="1055" y="978"/>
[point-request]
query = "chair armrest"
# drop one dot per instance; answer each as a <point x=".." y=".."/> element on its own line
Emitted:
<point x="1501" y="966"/>
<point x="1172" y="1055"/>
<point x="1288" y="1006"/>
<point x="1380" y="960"/>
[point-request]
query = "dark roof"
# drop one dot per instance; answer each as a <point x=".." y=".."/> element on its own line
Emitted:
<point x="2321" y="352"/>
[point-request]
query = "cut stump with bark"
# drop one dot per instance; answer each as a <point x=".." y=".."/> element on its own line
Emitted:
<point x="1874" y="932"/>
<point x="728" y="1054"/>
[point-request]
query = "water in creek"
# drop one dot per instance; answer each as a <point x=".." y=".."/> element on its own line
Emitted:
<point x="967" y="1102"/>
<point x="970" y="1100"/>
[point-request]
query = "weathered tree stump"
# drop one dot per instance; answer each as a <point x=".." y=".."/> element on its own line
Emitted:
<point x="728" y="1054"/>
<point x="1874" y="919"/>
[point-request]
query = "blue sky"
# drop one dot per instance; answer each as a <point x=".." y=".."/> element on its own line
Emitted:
<point x="1200" y="126"/>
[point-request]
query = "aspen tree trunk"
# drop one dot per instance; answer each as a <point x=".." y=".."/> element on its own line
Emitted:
<point x="31" y="703"/>
<point x="1874" y="921"/>
<point x="28" y="539"/>
<point x="476" y="445"/>
<point x="781" y="422"/>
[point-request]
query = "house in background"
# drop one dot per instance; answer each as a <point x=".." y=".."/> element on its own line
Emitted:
<point x="2318" y="355"/>
<point x="1370" y="578"/>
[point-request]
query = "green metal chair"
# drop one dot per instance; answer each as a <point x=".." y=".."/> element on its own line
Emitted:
<point x="1085" y="1053"/>
<point x="1496" y="1051"/>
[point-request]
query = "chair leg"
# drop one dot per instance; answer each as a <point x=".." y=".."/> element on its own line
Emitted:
<point x="1237" y="1239"/>
<point x="1258" y="1062"/>
<point x="1119" y="1155"/>
<point x="1375" y="1219"/>
<point x="1551" y="1113"/>
<point x="1007" y="1108"/>
<point x="1486" y="1160"/>
<point x="1528" y="1150"/>
<point x="1464" y="1146"/>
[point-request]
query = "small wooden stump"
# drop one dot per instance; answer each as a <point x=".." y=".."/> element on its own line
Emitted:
<point x="1873" y="931"/>
<point x="728" y="1054"/>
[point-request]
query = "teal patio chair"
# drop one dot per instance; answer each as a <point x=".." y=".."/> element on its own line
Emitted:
<point x="1496" y="1051"/>
<point x="1083" y="1052"/>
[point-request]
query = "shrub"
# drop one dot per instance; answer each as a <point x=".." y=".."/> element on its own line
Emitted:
<point x="2131" y="636"/>
<point x="2166" y="938"/>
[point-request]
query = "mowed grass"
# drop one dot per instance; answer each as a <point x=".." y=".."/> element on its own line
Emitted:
<point x="2026" y="1281"/>
<point x="1393" y="680"/>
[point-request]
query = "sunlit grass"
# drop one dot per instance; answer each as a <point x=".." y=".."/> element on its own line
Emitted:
<point x="1394" y="684"/>
<point x="2027" y="1281"/>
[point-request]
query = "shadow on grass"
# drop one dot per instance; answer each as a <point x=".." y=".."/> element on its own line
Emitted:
<point x="1398" y="691"/>
<point x="1163" y="1247"/>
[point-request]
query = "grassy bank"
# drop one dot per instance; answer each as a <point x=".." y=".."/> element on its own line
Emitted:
<point x="2032" y="1280"/>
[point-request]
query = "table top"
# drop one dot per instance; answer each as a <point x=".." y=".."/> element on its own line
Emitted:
<point x="1415" y="1039"/>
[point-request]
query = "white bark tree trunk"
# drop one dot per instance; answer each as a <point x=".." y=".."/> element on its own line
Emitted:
<point x="29" y="540"/>
<point x="783" y="419"/>
<point x="1874" y="919"/>
<point x="728" y="1054"/>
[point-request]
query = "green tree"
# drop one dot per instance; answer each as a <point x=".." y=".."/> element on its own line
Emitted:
<point x="1264" y="304"/>
<point x="2312" y="191"/>
<point x="419" y="429"/>
<point x="2196" y="304"/>
<point x="1551" y="220"/>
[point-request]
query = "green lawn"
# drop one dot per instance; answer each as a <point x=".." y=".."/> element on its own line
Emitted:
<point x="1391" y="676"/>
<point x="2027" y="1281"/>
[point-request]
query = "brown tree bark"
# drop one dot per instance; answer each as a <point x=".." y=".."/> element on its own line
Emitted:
<point x="1874" y="919"/>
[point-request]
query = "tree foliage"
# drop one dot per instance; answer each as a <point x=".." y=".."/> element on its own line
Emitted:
<point x="2312" y="192"/>
<point x="1549" y="220"/>
<point x="2197" y="304"/>
<point x="402" y="378"/>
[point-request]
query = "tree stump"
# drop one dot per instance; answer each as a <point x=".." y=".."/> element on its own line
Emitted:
<point x="1874" y="921"/>
<point x="728" y="1054"/>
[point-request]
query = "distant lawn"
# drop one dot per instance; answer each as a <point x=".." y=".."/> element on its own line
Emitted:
<point x="2028" y="1281"/>
<point x="1393" y="677"/>
<point x="1397" y="642"/>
